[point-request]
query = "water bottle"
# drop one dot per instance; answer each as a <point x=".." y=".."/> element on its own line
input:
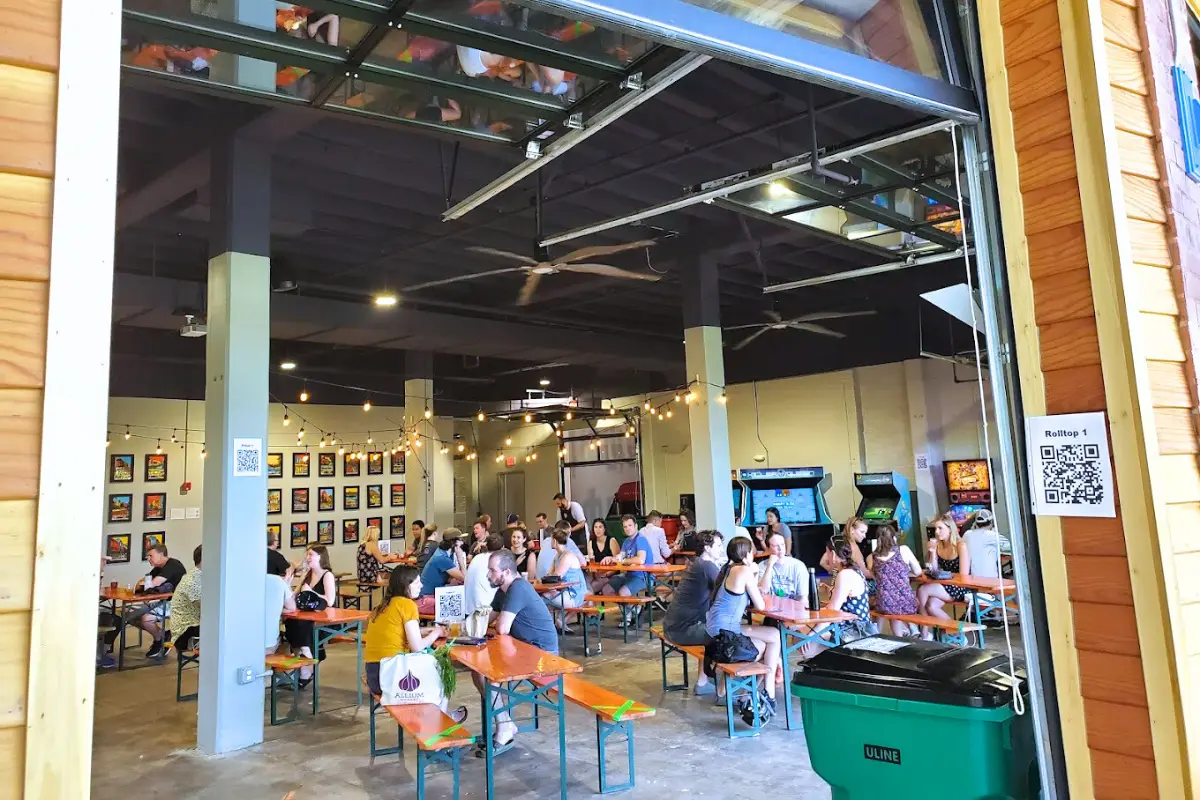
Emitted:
<point x="814" y="600"/>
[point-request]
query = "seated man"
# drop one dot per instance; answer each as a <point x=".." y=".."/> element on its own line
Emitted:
<point x="518" y="612"/>
<point x="634" y="551"/>
<point x="185" y="608"/>
<point x="443" y="569"/>
<point x="278" y="599"/>
<point x="277" y="559"/>
<point x="164" y="576"/>
<point x="479" y="590"/>
<point x="783" y="575"/>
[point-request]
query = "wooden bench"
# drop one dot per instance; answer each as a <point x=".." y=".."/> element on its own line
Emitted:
<point x="742" y="676"/>
<point x="184" y="658"/>
<point x="353" y="598"/>
<point x="629" y="602"/>
<point x="590" y="616"/>
<point x="438" y="738"/>
<point x="614" y="714"/>
<point x="950" y="631"/>
<point x="285" y="672"/>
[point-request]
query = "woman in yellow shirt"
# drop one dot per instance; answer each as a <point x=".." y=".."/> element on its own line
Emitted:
<point x="395" y="628"/>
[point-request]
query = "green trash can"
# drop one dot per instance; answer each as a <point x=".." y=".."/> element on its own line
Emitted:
<point x="904" y="718"/>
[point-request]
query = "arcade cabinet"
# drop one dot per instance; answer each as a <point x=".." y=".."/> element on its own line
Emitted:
<point x="687" y="502"/>
<point x="885" y="500"/>
<point x="970" y="487"/>
<point x="799" y="494"/>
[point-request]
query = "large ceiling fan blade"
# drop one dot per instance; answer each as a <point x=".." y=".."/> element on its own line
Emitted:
<point x="608" y="271"/>
<point x="774" y="315"/>
<point x="744" y="327"/>
<point x="824" y="315"/>
<point x="811" y="328"/>
<point x="602" y="250"/>
<point x="461" y="278"/>
<point x="531" y="283"/>
<point x="750" y="339"/>
<point x="492" y="251"/>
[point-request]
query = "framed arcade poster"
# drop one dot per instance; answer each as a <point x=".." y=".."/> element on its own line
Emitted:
<point x="274" y="465"/>
<point x="375" y="496"/>
<point x="349" y="531"/>
<point x="350" y="498"/>
<point x="351" y="466"/>
<point x="377" y="522"/>
<point x="397" y="462"/>
<point x="274" y="530"/>
<point x="326" y="465"/>
<point x="120" y="507"/>
<point x="325" y="499"/>
<point x="299" y="501"/>
<point x="299" y="534"/>
<point x="396" y="526"/>
<point x="325" y="531"/>
<point x="116" y="547"/>
<point x="299" y="465"/>
<point x="274" y="501"/>
<point x="374" y="463"/>
<point x="120" y="469"/>
<point x="154" y="507"/>
<point x="156" y="467"/>
<point x="397" y="494"/>
<point x="152" y="539"/>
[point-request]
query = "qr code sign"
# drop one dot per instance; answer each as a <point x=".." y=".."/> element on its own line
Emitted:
<point x="247" y="457"/>
<point x="449" y="601"/>
<point x="1071" y="474"/>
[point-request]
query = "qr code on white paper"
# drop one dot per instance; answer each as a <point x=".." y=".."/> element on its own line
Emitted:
<point x="449" y="602"/>
<point x="247" y="458"/>
<point x="1072" y="475"/>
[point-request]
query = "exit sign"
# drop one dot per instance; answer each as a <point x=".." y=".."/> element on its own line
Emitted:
<point x="1188" y="106"/>
<point x="510" y="461"/>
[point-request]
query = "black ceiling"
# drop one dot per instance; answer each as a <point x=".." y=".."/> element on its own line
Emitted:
<point x="357" y="210"/>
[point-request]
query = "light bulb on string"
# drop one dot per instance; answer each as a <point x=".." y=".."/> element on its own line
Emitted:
<point x="499" y="459"/>
<point x="370" y="439"/>
<point x="462" y="447"/>
<point x="669" y="413"/>
<point x="428" y="412"/>
<point x="689" y="398"/>
<point x="174" y="438"/>
<point x="599" y="444"/>
<point x="480" y="416"/>
<point x="127" y="433"/>
<point x="534" y="456"/>
<point x="304" y="395"/>
<point x="444" y="450"/>
<point x="300" y="434"/>
<point x="286" y="419"/>
<point x="558" y="433"/>
<point x="158" y="448"/>
<point x="660" y="417"/>
<point x="417" y="443"/>
<point x="508" y="441"/>
<point x="321" y="443"/>
<point x="570" y="416"/>
<point x="367" y="405"/>
<point x="647" y="404"/>
<point x="108" y="441"/>
<point x="722" y="398"/>
<point x="527" y="459"/>
<point x="332" y="438"/>
<point x="678" y="397"/>
<point x="203" y="452"/>
<point x="612" y="410"/>
<point x="362" y="456"/>
<point x="528" y="417"/>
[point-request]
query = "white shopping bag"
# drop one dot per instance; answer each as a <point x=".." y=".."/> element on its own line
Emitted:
<point x="410" y="678"/>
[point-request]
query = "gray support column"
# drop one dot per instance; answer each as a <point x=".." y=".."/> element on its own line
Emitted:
<point x="235" y="409"/>
<point x="426" y="476"/>
<point x="707" y="416"/>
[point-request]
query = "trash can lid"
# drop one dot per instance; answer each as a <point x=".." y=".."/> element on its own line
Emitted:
<point x="914" y="669"/>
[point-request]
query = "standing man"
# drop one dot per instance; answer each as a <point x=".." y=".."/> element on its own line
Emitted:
<point x="519" y="612"/>
<point x="656" y="536"/>
<point x="572" y="513"/>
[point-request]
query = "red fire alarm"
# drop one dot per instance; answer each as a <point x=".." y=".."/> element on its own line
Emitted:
<point x="185" y="487"/>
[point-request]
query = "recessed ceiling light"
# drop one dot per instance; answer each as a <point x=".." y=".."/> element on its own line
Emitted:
<point x="544" y="382"/>
<point x="287" y="365"/>
<point x="385" y="300"/>
<point x="778" y="189"/>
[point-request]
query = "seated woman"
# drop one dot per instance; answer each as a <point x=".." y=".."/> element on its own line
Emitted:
<point x="849" y="595"/>
<point x="319" y="579"/>
<point x="370" y="557"/>
<point x="417" y="545"/>
<point x="518" y="543"/>
<point x="854" y="530"/>
<point x="947" y="551"/>
<point x="736" y="586"/>
<point x="567" y="567"/>
<point x="686" y="616"/>
<point x="892" y="565"/>
<point x="395" y="628"/>
<point x="688" y="539"/>
<point x="600" y="545"/>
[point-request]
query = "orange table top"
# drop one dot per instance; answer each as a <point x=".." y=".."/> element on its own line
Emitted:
<point x="989" y="585"/>
<point x="794" y="612"/>
<point x="329" y="615"/>
<point x="550" y="588"/>
<point x="504" y="658"/>
<point x="129" y="596"/>
<point x="654" y="569"/>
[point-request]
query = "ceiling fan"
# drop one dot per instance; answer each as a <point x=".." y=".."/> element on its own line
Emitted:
<point x="805" y="322"/>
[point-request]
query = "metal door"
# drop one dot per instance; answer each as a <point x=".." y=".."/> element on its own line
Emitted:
<point x="510" y="491"/>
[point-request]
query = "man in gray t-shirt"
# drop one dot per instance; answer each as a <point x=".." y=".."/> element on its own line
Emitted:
<point x="783" y="575"/>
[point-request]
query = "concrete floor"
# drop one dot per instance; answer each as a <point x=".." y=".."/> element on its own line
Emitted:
<point x="144" y="744"/>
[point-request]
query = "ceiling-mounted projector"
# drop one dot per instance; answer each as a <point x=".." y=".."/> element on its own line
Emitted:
<point x="192" y="329"/>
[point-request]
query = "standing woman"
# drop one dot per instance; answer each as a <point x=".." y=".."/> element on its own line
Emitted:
<point x="518" y="542"/>
<point x="947" y="551"/>
<point x="319" y="579"/>
<point x="600" y="544"/>
<point x="892" y="565"/>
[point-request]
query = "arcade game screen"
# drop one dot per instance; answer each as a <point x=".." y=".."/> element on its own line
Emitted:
<point x="796" y="506"/>
<point x="880" y="512"/>
<point x="961" y="512"/>
<point x="737" y="501"/>
<point x="968" y="476"/>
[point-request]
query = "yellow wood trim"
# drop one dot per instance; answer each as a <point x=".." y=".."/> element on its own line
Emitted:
<point x="1060" y="623"/>
<point x="1194" y="7"/>
<point x="1126" y="380"/>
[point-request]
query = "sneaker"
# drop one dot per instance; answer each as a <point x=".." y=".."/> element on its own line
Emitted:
<point x="705" y="690"/>
<point x="107" y="662"/>
<point x="660" y="605"/>
<point x="459" y="714"/>
<point x="155" y="650"/>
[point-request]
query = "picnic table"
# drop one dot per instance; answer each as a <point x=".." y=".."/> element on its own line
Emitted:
<point x="126" y="597"/>
<point x="327" y="624"/>
<point x="652" y="572"/>
<point x="999" y="588"/>
<point x="508" y="666"/>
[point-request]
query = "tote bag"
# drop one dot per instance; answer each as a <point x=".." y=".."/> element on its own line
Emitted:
<point x="410" y="678"/>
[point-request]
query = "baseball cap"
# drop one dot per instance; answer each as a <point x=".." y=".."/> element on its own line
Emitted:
<point x="984" y="518"/>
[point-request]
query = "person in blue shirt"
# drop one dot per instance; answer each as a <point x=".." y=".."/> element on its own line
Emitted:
<point x="634" y="551"/>
<point x="442" y="569"/>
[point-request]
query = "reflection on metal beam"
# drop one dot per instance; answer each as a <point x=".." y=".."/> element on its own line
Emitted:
<point x="735" y="183"/>
<point x="672" y="74"/>
<point x="807" y="230"/>
<point x="689" y="27"/>
<point x="332" y="81"/>
<point x="878" y="269"/>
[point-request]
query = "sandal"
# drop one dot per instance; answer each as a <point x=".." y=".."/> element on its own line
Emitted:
<point x="497" y="747"/>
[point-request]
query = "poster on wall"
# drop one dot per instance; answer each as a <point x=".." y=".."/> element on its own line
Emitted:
<point x="349" y="531"/>
<point x="325" y="498"/>
<point x="120" y="507"/>
<point x="299" y="465"/>
<point x="351" y="466"/>
<point x="1070" y="469"/>
<point x="326" y="465"/>
<point x="350" y="498"/>
<point x="375" y="496"/>
<point x="154" y="507"/>
<point x="116" y="547"/>
<point x="375" y="463"/>
<point x="274" y="465"/>
<point x="397" y="462"/>
<point x="299" y="501"/>
<point x="247" y="458"/>
<point x="152" y="539"/>
<point x="299" y="534"/>
<point x="120" y="469"/>
<point x="396" y="526"/>
<point x="274" y="530"/>
<point x="274" y="501"/>
<point x="325" y="531"/>
<point x="156" y="467"/>
<point x="397" y="494"/>
<point x="377" y="523"/>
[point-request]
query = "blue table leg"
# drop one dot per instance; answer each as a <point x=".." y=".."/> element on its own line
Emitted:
<point x="487" y="738"/>
<point x="358" y="640"/>
<point x="562" y="736"/>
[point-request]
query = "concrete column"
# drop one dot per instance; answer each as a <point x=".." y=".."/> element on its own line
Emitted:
<point x="707" y="417"/>
<point x="235" y="408"/>
<point x="429" y="478"/>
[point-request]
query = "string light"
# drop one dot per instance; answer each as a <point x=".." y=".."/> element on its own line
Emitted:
<point x="332" y="439"/>
<point x="570" y="416"/>
<point x="304" y="457"/>
<point x="322" y="443"/>
<point x="647" y="404"/>
<point x="417" y="443"/>
<point x="370" y="439"/>
<point x="562" y="453"/>
<point x="286" y="420"/>
<point x="612" y="409"/>
<point x="127" y="433"/>
<point x="174" y="438"/>
<point x="300" y="434"/>
<point x="158" y="448"/>
<point x="722" y="398"/>
<point x="508" y="441"/>
<point x="479" y="416"/>
<point x="461" y="447"/>
<point x="689" y="397"/>
<point x="499" y="459"/>
<point x="660" y="417"/>
<point x="558" y="433"/>
<point x="534" y="456"/>
<point x="668" y="413"/>
<point x="341" y="451"/>
<point x="428" y="413"/>
<point x="304" y="395"/>
<point x="678" y="397"/>
<point x="203" y="452"/>
<point x="444" y="450"/>
<point x="527" y="459"/>
<point x="367" y="405"/>
<point x="108" y="440"/>
<point x="528" y="417"/>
